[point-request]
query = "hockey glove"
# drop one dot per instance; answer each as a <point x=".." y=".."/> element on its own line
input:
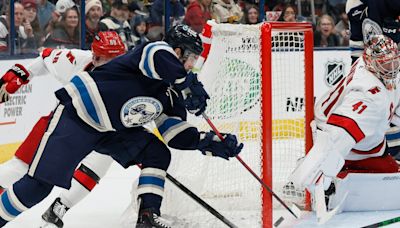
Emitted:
<point x="211" y="145"/>
<point x="194" y="95"/>
<point x="12" y="80"/>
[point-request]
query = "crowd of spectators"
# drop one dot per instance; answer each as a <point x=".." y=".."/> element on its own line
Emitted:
<point x="52" y="23"/>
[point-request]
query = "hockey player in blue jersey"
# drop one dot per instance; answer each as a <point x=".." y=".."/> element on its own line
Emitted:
<point x="105" y="110"/>
<point x="372" y="17"/>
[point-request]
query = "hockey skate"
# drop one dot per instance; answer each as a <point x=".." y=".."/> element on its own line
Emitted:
<point x="149" y="219"/>
<point x="52" y="218"/>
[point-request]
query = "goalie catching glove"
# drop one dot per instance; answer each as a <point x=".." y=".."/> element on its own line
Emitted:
<point x="210" y="144"/>
<point x="194" y="95"/>
<point x="12" y="80"/>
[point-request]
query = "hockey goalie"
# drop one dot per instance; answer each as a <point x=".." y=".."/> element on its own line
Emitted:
<point x="349" y="158"/>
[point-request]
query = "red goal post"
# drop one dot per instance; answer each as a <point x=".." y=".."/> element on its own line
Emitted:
<point x="267" y="127"/>
<point x="260" y="80"/>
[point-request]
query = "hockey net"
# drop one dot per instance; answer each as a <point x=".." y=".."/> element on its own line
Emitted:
<point x="270" y="115"/>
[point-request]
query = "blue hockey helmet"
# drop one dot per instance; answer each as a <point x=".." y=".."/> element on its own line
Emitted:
<point x="183" y="37"/>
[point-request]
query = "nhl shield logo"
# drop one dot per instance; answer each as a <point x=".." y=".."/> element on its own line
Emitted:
<point x="334" y="72"/>
<point x="140" y="110"/>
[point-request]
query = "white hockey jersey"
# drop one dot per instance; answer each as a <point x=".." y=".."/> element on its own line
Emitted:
<point x="62" y="64"/>
<point x="357" y="113"/>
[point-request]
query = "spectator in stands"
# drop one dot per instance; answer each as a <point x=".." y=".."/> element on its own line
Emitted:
<point x="134" y="11"/>
<point x="45" y="11"/>
<point x="227" y="11"/>
<point x="106" y="7"/>
<point x="24" y="38"/>
<point x="31" y="21"/>
<point x="67" y="34"/>
<point x="288" y="14"/>
<point x="251" y="15"/>
<point x="139" y="30"/>
<point x="325" y="35"/>
<point x="63" y="5"/>
<point x="93" y="11"/>
<point x="57" y="15"/>
<point x="198" y="13"/>
<point x="118" y="21"/>
<point x="156" y="20"/>
<point x="343" y="29"/>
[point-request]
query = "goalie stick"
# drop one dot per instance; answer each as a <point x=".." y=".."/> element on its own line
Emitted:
<point x="323" y="215"/>
<point x="383" y="223"/>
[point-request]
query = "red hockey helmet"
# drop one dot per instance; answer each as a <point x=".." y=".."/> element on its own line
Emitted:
<point x="108" y="44"/>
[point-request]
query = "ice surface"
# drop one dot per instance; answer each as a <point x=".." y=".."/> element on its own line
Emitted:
<point x="104" y="208"/>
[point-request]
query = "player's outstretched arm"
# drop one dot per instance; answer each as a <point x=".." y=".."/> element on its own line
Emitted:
<point x="19" y="75"/>
<point x="181" y="135"/>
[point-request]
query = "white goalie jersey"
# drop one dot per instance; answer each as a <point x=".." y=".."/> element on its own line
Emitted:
<point x="62" y="64"/>
<point x="357" y="113"/>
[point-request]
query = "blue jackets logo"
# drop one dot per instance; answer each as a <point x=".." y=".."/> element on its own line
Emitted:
<point x="370" y="28"/>
<point x="140" y="110"/>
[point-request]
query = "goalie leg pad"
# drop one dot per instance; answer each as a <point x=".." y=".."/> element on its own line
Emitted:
<point x="367" y="192"/>
<point x="321" y="159"/>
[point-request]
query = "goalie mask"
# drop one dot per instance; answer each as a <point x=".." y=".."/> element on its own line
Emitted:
<point x="183" y="37"/>
<point x="382" y="58"/>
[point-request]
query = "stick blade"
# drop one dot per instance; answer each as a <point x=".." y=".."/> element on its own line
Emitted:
<point x="296" y="210"/>
<point x="279" y="221"/>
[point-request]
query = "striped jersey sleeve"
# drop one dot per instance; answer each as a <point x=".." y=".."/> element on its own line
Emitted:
<point x="159" y="61"/>
<point x="177" y="133"/>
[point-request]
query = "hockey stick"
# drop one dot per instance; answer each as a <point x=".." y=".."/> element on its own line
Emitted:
<point x="207" y="38"/>
<point x="192" y="195"/>
<point x="383" y="223"/>
<point x="200" y="201"/>
<point x="251" y="171"/>
<point x="184" y="189"/>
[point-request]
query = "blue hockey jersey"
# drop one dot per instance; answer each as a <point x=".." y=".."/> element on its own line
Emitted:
<point x="129" y="91"/>
<point x="383" y="15"/>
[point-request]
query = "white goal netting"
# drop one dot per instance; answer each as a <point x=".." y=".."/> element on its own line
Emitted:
<point x="232" y="77"/>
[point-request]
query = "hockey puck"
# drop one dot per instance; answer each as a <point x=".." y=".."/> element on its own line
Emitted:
<point x="279" y="221"/>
